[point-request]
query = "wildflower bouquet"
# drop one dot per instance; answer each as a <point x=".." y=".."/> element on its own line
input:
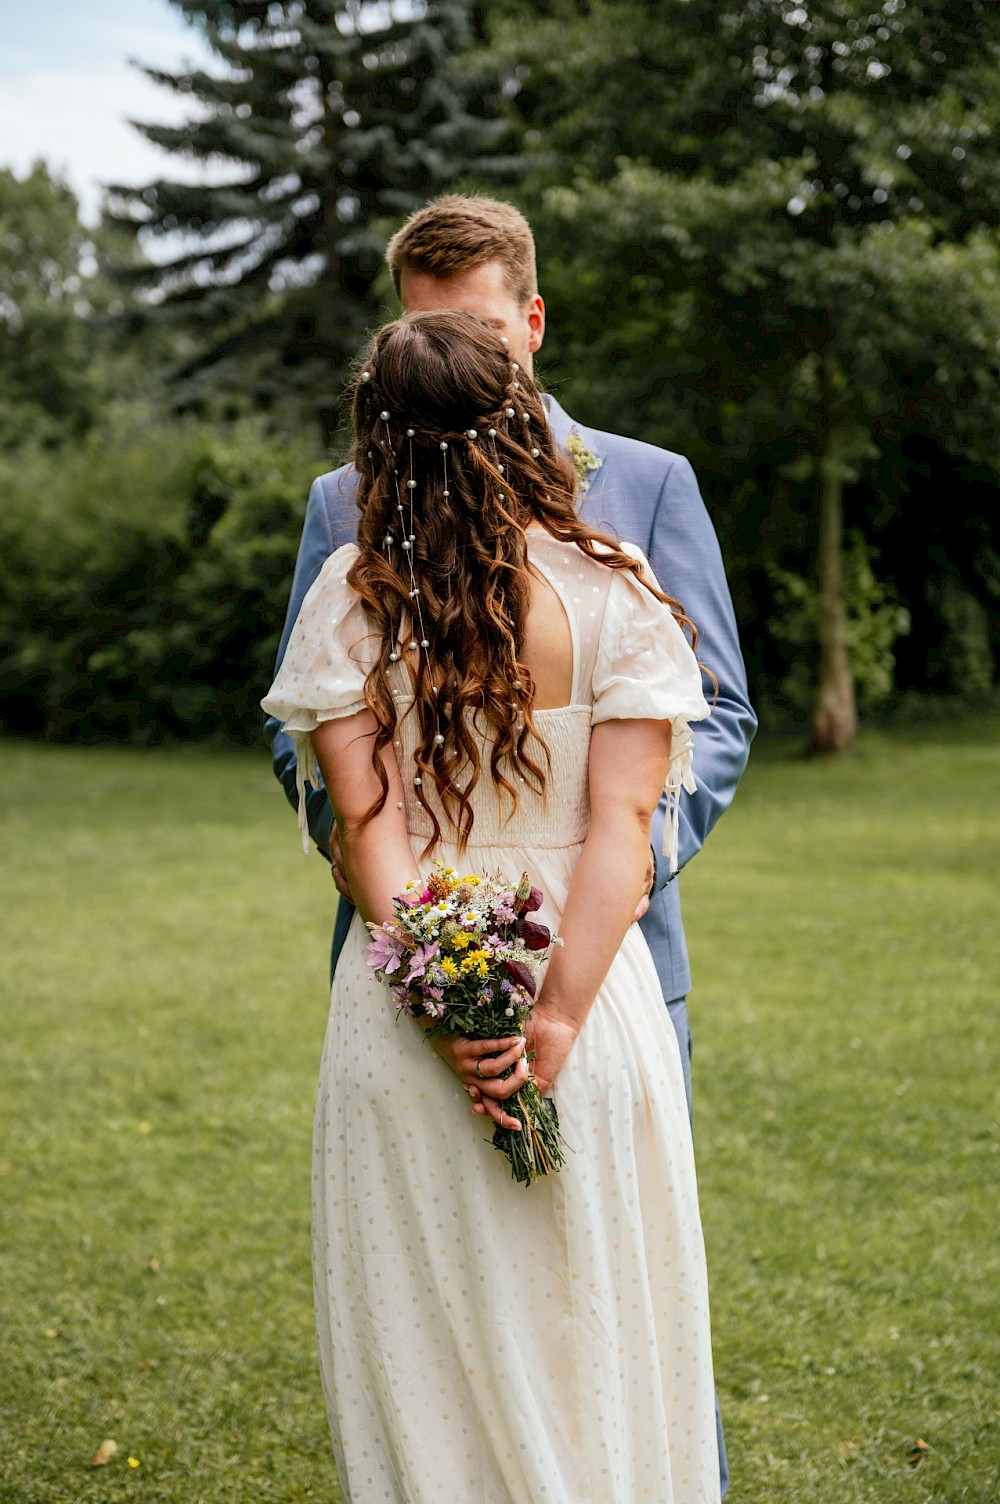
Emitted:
<point x="463" y="952"/>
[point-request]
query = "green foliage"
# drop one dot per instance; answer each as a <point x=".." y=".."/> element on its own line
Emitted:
<point x="786" y="255"/>
<point x="875" y="620"/>
<point x="46" y="389"/>
<point x="964" y="658"/>
<point x="333" y="120"/>
<point x="166" y="947"/>
<point x="143" y="579"/>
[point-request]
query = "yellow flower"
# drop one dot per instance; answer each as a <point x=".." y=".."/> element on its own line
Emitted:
<point x="469" y="918"/>
<point x="411" y="884"/>
<point x="461" y="941"/>
<point x="479" y="955"/>
<point x="133" y="1462"/>
<point x="469" y="964"/>
<point x="449" y="968"/>
<point x="472" y="881"/>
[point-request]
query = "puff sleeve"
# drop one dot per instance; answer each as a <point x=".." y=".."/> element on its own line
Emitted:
<point x="322" y="675"/>
<point x="646" y="669"/>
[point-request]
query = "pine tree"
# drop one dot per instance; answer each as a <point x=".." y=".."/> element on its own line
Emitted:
<point x="337" y="118"/>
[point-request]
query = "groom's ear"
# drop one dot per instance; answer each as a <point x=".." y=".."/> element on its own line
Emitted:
<point x="536" y="322"/>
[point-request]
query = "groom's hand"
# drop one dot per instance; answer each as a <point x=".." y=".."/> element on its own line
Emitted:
<point x="647" y="888"/>
<point x="337" y="864"/>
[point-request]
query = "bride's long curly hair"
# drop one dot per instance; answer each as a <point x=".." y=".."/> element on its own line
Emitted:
<point x="428" y="382"/>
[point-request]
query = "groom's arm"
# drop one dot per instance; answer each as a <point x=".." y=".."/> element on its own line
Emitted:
<point x="686" y="558"/>
<point x="326" y="516"/>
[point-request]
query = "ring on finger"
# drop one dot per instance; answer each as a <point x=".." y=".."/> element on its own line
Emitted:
<point x="479" y="1071"/>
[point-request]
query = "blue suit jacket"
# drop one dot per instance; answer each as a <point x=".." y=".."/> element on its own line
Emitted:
<point x="646" y="496"/>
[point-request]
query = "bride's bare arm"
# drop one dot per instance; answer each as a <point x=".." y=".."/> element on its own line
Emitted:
<point x="628" y="764"/>
<point x="378" y="862"/>
<point x="377" y="857"/>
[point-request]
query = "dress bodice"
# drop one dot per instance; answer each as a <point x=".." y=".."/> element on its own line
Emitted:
<point x="630" y="661"/>
<point x="560" y="817"/>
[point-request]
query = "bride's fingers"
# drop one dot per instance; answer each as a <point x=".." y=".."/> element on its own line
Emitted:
<point x="499" y="1090"/>
<point x="498" y="1113"/>
<point x="495" y="1065"/>
<point x="479" y="1049"/>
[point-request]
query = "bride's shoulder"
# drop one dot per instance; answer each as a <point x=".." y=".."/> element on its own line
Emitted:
<point x="340" y="561"/>
<point x="331" y="578"/>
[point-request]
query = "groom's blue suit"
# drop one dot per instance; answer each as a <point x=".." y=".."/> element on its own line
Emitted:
<point x="646" y="496"/>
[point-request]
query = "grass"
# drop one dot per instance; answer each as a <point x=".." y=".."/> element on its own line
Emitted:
<point x="164" y="954"/>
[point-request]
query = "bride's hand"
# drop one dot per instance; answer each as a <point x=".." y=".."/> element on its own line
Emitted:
<point x="551" y="1036"/>
<point x="479" y="1063"/>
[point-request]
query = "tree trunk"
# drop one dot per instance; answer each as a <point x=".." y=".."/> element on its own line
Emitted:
<point x="835" y="721"/>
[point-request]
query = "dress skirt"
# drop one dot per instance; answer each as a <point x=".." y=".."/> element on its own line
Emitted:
<point x="482" y="1342"/>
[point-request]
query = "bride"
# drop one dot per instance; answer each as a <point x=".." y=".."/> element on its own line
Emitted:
<point x="486" y="680"/>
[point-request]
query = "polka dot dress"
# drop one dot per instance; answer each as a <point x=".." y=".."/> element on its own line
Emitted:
<point x="483" y="1343"/>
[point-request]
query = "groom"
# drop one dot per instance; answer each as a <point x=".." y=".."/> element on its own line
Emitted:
<point x="478" y="255"/>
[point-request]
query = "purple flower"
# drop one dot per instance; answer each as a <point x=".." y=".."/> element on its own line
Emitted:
<point x="403" y="1001"/>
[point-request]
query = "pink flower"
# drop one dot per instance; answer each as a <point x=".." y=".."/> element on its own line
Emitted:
<point x="385" y="953"/>
<point x="419" y="962"/>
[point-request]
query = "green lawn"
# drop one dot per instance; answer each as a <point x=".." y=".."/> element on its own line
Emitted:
<point x="164" y="950"/>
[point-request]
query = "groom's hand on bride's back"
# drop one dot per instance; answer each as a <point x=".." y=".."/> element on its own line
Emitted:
<point x="647" y="888"/>
<point x="337" y="865"/>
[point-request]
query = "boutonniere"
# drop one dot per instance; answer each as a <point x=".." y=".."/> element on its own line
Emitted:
<point x="585" y="461"/>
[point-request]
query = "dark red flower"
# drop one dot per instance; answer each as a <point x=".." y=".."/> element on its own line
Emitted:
<point x="520" y="974"/>
<point x="535" y="936"/>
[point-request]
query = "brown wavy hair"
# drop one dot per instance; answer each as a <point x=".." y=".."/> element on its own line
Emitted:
<point x="428" y="381"/>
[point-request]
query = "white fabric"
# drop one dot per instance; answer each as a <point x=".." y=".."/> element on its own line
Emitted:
<point x="322" y="675"/>
<point x="630" y="661"/>
<point x="483" y="1343"/>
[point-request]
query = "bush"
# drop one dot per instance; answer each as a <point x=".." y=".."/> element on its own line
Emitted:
<point x="144" y="576"/>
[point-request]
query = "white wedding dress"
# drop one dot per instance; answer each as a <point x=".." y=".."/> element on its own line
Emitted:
<point x="482" y="1342"/>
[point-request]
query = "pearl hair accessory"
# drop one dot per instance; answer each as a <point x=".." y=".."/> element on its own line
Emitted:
<point x="418" y="640"/>
<point x="422" y="643"/>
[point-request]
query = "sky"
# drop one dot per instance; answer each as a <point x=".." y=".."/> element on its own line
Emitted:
<point x="67" y="89"/>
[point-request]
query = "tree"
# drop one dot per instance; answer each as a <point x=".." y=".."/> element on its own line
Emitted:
<point x="793" y="240"/>
<point x="46" y="390"/>
<point x="334" y="117"/>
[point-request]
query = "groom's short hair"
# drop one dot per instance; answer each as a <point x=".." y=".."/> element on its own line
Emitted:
<point x="455" y="233"/>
